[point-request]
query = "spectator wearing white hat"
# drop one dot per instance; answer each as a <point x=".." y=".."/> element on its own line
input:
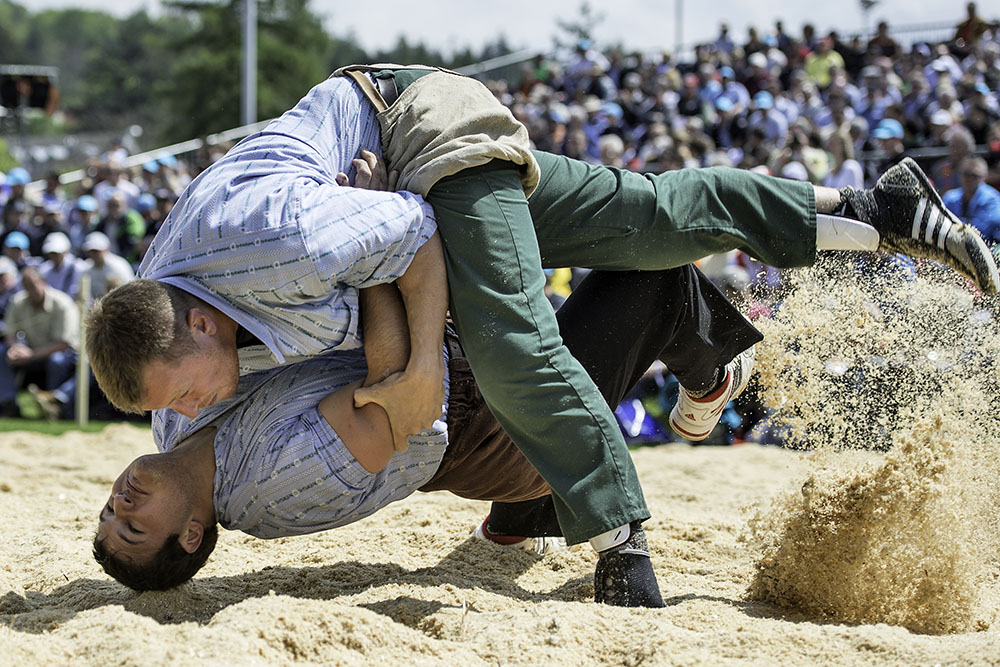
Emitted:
<point x="937" y="124"/>
<point x="106" y="269"/>
<point x="61" y="268"/>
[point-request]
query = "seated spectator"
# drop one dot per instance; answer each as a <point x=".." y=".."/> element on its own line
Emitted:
<point x="41" y="333"/>
<point x="944" y="173"/>
<point x="16" y="248"/>
<point x="16" y="218"/>
<point x="768" y="119"/>
<point x="946" y="99"/>
<point x="115" y="182"/>
<point x="889" y="135"/>
<point x="82" y="217"/>
<point x="819" y="63"/>
<point x="975" y="202"/>
<point x="844" y="169"/>
<point x="52" y="195"/>
<point x="51" y="221"/>
<point x="734" y="91"/>
<point x="61" y="268"/>
<point x="106" y="269"/>
<point x="10" y="283"/>
<point x="124" y="227"/>
<point x="14" y="183"/>
<point x="938" y="124"/>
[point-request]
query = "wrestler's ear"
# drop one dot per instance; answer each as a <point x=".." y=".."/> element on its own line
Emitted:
<point x="190" y="537"/>
<point x="201" y="320"/>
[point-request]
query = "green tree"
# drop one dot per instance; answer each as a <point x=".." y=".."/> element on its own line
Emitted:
<point x="129" y="77"/>
<point x="67" y="39"/>
<point x="14" y="24"/>
<point x="293" y="54"/>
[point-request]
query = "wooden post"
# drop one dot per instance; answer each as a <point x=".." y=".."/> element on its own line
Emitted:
<point x="82" y="364"/>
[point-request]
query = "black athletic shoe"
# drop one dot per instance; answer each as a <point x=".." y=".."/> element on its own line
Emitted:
<point x="911" y="219"/>
<point x="624" y="575"/>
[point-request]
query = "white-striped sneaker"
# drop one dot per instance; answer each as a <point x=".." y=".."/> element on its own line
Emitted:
<point x="695" y="418"/>
<point x="911" y="219"/>
<point x="536" y="545"/>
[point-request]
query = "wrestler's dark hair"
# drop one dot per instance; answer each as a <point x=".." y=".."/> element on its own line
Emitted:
<point x="170" y="566"/>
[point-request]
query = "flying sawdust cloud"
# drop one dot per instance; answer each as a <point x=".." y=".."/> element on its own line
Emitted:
<point x="890" y="380"/>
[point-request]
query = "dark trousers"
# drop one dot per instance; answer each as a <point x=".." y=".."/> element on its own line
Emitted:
<point x="616" y="323"/>
<point x="47" y="373"/>
<point x="496" y="242"/>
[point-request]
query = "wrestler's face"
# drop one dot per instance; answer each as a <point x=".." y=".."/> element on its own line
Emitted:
<point x="205" y="376"/>
<point x="150" y="501"/>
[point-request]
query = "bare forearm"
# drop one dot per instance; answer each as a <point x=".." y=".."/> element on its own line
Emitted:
<point x="49" y="350"/>
<point x="386" y="335"/>
<point x="424" y="288"/>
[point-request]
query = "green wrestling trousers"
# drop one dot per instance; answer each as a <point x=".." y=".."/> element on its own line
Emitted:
<point x="496" y="242"/>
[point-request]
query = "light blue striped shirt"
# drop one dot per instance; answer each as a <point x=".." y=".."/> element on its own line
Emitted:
<point x="281" y="469"/>
<point x="267" y="236"/>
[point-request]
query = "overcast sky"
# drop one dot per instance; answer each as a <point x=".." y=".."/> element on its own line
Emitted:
<point x="642" y="24"/>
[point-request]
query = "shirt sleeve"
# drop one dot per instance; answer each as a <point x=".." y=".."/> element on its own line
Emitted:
<point x="361" y="237"/>
<point x="66" y="326"/>
<point x="305" y="480"/>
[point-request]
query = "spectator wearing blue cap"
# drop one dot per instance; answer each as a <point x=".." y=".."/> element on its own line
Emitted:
<point x="19" y="177"/>
<point x="16" y="247"/>
<point x="889" y="136"/>
<point x="81" y="218"/>
<point x="781" y="103"/>
<point x="149" y="178"/>
<point x="766" y="118"/>
<point x="735" y="91"/>
<point x="16" y="179"/>
<point x="730" y="123"/>
<point x="17" y="216"/>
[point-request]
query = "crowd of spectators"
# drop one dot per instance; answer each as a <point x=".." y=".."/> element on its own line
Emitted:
<point x="822" y="108"/>
<point x="831" y="110"/>
<point x="55" y="239"/>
